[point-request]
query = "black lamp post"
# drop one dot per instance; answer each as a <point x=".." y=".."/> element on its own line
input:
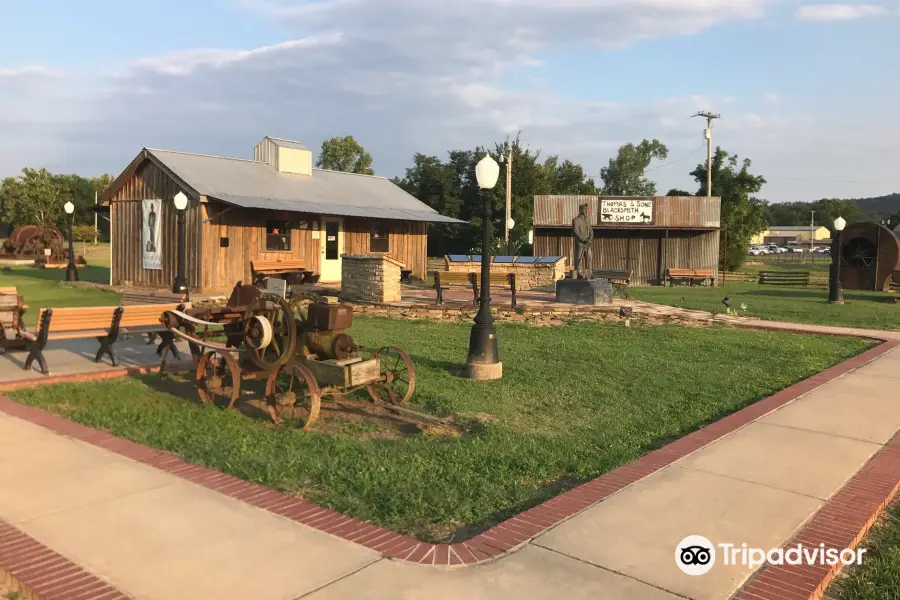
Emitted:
<point x="71" y="269"/>
<point x="483" y="362"/>
<point x="180" y="286"/>
<point x="835" y="292"/>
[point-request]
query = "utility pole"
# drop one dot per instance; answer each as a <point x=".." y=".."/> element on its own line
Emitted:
<point x="708" y="133"/>
<point x="508" y="162"/>
<point x="812" y="230"/>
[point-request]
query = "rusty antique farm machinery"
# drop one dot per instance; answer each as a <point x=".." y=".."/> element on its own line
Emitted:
<point x="31" y="241"/>
<point x="303" y="355"/>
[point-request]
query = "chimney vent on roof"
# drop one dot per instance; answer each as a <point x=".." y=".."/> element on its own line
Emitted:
<point x="284" y="156"/>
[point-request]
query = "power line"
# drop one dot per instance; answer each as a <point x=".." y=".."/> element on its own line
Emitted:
<point x="667" y="163"/>
<point x="826" y="180"/>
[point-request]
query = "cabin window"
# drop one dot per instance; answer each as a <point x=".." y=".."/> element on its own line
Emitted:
<point x="278" y="236"/>
<point x="379" y="240"/>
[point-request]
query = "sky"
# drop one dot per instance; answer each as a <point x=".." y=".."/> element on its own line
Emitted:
<point x="806" y="90"/>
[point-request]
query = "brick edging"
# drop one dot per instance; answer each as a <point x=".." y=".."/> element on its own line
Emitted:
<point x="493" y="543"/>
<point x="842" y="522"/>
<point x="45" y="575"/>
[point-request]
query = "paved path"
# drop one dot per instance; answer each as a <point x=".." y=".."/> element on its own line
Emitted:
<point x="156" y="536"/>
<point x="72" y="357"/>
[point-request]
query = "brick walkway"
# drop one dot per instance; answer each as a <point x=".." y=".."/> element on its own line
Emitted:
<point x="92" y="516"/>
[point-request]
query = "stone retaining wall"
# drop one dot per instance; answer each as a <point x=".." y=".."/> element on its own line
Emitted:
<point x="370" y="278"/>
<point x="528" y="276"/>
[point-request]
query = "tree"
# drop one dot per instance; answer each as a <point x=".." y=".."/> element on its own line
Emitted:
<point x="450" y="188"/>
<point x="345" y="154"/>
<point x="743" y="216"/>
<point x="624" y="176"/>
<point x="677" y="192"/>
<point x="32" y="197"/>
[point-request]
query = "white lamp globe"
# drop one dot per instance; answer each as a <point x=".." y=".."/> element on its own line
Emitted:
<point x="839" y="224"/>
<point x="180" y="200"/>
<point x="69" y="208"/>
<point x="486" y="173"/>
<point x="510" y="223"/>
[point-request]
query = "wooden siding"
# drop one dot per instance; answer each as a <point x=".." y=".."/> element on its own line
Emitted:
<point x="407" y="241"/>
<point x="246" y="233"/>
<point x="149" y="183"/>
<point x="648" y="253"/>
<point x="668" y="211"/>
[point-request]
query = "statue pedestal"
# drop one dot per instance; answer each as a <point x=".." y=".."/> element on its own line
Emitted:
<point x="593" y="292"/>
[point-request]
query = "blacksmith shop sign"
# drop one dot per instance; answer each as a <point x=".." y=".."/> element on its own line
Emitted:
<point x="629" y="211"/>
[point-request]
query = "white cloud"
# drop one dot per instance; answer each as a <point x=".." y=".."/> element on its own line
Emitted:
<point x="406" y="76"/>
<point x="840" y="12"/>
<point x="771" y="98"/>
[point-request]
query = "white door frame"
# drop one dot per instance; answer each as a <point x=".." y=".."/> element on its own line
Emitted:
<point x="330" y="270"/>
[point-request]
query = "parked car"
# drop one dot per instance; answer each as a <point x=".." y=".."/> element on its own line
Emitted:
<point x="756" y="251"/>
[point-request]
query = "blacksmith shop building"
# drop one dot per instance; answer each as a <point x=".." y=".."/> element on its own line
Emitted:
<point x="643" y="234"/>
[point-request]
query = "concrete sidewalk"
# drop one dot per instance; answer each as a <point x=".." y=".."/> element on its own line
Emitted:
<point x="157" y="536"/>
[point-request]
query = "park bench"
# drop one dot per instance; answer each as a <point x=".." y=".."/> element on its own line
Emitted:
<point x="11" y="309"/>
<point x="690" y="275"/>
<point x="445" y="279"/>
<point x="105" y="323"/>
<point x="784" y="277"/>
<point x="286" y="269"/>
<point x="619" y="278"/>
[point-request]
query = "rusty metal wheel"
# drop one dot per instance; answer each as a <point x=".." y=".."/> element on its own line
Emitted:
<point x="398" y="376"/>
<point x="218" y="378"/>
<point x="270" y="345"/>
<point x="293" y="395"/>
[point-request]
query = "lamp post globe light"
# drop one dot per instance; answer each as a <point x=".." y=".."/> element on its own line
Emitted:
<point x="180" y="285"/>
<point x="835" y="292"/>
<point x="71" y="269"/>
<point x="483" y="362"/>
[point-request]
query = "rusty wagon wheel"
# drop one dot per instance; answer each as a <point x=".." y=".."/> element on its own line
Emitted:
<point x="218" y="378"/>
<point x="270" y="332"/>
<point x="398" y="376"/>
<point x="292" y="394"/>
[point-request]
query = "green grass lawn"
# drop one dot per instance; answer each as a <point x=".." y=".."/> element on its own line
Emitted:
<point x="42" y="288"/>
<point x="574" y="402"/>
<point x="878" y="578"/>
<point x="874" y="310"/>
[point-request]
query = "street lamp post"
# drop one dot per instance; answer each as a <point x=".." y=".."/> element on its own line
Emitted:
<point x="71" y="269"/>
<point x="835" y="292"/>
<point x="180" y="286"/>
<point x="483" y="362"/>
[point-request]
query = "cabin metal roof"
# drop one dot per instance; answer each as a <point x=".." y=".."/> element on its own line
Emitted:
<point x="252" y="184"/>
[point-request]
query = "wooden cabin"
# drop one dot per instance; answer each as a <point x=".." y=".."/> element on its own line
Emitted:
<point x="274" y="207"/>
<point x="643" y="234"/>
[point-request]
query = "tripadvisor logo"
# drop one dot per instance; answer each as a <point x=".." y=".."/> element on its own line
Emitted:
<point x="696" y="555"/>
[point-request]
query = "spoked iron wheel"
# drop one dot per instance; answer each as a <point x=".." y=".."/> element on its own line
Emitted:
<point x="292" y="395"/>
<point x="268" y="354"/>
<point x="398" y="376"/>
<point x="218" y="378"/>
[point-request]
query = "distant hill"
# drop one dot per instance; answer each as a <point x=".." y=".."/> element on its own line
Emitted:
<point x="880" y="205"/>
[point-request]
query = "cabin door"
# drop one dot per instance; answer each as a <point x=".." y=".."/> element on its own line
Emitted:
<point x="332" y="246"/>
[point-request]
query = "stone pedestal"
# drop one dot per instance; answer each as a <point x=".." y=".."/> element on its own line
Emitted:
<point x="594" y="292"/>
<point x="373" y="278"/>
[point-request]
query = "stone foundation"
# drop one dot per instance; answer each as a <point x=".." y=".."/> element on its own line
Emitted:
<point x="370" y="278"/>
<point x="528" y="276"/>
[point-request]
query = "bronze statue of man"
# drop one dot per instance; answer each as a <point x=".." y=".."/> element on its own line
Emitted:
<point x="583" y="233"/>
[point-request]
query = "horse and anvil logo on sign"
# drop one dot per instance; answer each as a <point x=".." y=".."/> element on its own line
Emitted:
<point x="626" y="210"/>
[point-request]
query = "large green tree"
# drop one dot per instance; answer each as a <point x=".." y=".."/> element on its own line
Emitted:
<point x="37" y="196"/>
<point x="450" y="188"/>
<point x="624" y="175"/>
<point x="743" y="215"/>
<point x="345" y="154"/>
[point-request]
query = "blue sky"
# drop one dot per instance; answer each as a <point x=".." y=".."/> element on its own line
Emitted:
<point x="807" y="90"/>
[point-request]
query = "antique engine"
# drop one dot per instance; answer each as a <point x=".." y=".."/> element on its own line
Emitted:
<point x="323" y="332"/>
